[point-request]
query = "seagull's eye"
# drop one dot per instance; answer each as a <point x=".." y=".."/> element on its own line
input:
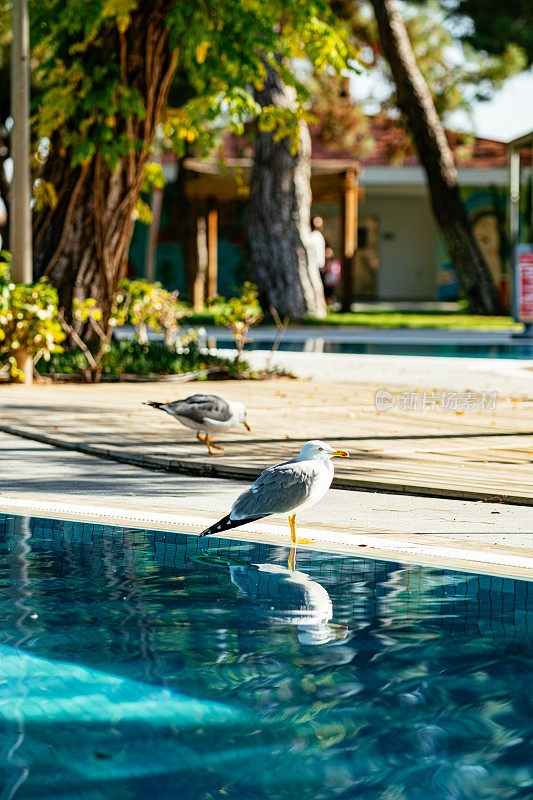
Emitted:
<point x="320" y="448"/>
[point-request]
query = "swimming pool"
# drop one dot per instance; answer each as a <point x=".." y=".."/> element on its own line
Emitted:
<point x="507" y="350"/>
<point x="136" y="664"/>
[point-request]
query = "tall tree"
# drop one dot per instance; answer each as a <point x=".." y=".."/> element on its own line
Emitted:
<point x="5" y="106"/>
<point x="279" y="212"/>
<point x="416" y="102"/>
<point x="81" y="242"/>
<point x="456" y="70"/>
<point x="106" y="71"/>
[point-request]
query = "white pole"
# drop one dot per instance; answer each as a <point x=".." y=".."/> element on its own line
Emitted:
<point x="514" y="198"/>
<point x="20" y="207"/>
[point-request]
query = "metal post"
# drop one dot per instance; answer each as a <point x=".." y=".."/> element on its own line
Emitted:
<point x="20" y="207"/>
<point x="531" y="189"/>
<point x="514" y="198"/>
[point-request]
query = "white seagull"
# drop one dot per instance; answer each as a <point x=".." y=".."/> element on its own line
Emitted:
<point x="207" y="414"/>
<point x="295" y="484"/>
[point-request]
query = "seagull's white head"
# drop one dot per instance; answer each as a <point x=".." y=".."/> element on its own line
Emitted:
<point x="319" y="451"/>
<point x="239" y="412"/>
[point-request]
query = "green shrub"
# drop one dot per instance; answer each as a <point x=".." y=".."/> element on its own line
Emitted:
<point x="147" y="305"/>
<point x="5" y="261"/>
<point x="136" y="302"/>
<point x="239" y="314"/>
<point x="127" y="357"/>
<point x="29" y="324"/>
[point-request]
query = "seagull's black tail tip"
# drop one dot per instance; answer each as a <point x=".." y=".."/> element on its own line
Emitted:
<point x="153" y="404"/>
<point x="225" y="524"/>
<point x="222" y="525"/>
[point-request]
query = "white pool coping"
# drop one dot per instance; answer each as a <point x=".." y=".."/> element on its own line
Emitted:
<point x="378" y="547"/>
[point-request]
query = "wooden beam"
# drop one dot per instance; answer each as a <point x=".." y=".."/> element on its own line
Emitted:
<point x="198" y="295"/>
<point x="212" y="252"/>
<point x="349" y="237"/>
<point x="325" y="187"/>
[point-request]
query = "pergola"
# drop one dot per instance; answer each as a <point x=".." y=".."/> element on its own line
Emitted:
<point x="208" y="184"/>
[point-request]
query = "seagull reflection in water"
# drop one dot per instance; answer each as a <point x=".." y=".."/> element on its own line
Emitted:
<point x="285" y="596"/>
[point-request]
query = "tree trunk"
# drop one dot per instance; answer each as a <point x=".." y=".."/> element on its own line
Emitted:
<point x="186" y="209"/>
<point x="82" y="244"/>
<point x="416" y="102"/>
<point x="4" y="190"/>
<point x="279" y="216"/>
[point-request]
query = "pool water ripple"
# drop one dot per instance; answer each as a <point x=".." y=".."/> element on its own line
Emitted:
<point x="135" y="664"/>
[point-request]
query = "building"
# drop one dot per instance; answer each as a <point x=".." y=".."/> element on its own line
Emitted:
<point x="400" y="253"/>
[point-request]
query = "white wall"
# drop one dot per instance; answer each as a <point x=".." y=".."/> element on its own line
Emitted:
<point x="407" y="243"/>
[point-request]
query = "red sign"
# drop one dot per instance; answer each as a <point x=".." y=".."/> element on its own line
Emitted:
<point x="524" y="265"/>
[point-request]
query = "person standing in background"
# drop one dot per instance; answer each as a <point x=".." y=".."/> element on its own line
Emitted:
<point x="318" y="245"/>
<point x="331" y="277"/>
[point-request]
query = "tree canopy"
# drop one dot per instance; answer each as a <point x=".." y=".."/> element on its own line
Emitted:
<point x="457" y="68"/>
<point x="219" y="49"/>
<point x="113" y="75"/>
<point x="110" y="76"/>
<point x="491" y="26"/>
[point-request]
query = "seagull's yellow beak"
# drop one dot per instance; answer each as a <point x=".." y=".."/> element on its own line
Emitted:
<point x="246" y="426"/>
<point x="341" y="453"/>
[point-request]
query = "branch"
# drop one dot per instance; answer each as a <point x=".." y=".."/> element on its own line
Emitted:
<point x="281" y="327"/>
<point x="97" y="328"/>
<point x="67" y="220"/>
<point x="70" y="331"/>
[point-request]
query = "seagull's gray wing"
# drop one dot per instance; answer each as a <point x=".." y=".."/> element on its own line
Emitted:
<point x="200" y="407"/>
<point x="277" y="490"/>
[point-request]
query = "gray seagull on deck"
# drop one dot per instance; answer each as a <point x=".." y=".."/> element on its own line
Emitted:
<point x="295" y="484"/>
<point x="206" y="414"/>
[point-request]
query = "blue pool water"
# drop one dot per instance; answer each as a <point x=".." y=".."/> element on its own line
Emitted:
<point x="138" y="666"/>
<point x="513" y="350"/>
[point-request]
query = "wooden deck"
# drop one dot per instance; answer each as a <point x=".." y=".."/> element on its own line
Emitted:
<point x="469" y="454"/>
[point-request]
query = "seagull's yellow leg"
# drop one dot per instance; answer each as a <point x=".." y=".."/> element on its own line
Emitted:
<point x="200" y="437"/>
<point x="213" y="448"/>
<point x="292" y="559"/>
<point x="292" y="524"/>
<point x="294" y="540"/>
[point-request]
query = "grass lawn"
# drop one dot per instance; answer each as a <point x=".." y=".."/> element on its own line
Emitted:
<point x="417" y="319"/>
<point x="456" y="320"/>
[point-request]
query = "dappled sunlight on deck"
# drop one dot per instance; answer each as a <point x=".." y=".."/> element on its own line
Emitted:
<point x="470" y="453"/>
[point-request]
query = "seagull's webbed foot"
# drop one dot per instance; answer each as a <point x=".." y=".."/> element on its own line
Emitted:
<point x="214" y="449"/>
<point x="294" y="540"/>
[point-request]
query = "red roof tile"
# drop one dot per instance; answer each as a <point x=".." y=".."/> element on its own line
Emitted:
<point x="390" y="145"/>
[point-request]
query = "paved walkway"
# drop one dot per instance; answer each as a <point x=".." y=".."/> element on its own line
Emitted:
<point x="465" y="452"/>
